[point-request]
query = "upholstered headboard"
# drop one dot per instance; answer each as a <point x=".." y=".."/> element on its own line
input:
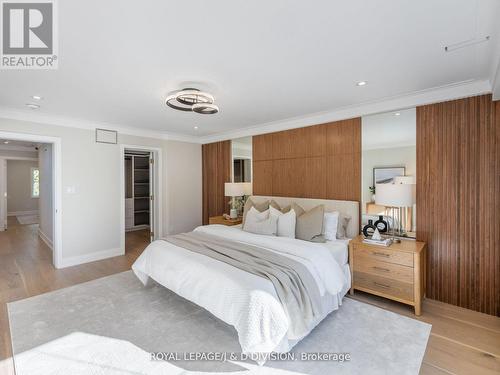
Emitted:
<point x="350" y="208"/>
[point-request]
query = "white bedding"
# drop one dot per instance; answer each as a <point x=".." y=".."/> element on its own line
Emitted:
<point x="243" y="300"/>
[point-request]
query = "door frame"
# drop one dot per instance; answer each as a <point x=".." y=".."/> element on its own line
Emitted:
<point x="157" y="189"/>
<point x="56" y="186"/>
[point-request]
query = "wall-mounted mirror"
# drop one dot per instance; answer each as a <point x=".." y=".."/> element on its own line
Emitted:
<point x="388" y="163"/>
<point x="242" y="159"/>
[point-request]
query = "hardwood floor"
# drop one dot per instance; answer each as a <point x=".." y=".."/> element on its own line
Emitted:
<point x="462" y="341"/>
<point x="26" y="270"/>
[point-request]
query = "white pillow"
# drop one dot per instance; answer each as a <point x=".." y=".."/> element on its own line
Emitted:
<point x="330" y="223"/>
<point x="260" y="222"/>
<point x="286" y="222"/>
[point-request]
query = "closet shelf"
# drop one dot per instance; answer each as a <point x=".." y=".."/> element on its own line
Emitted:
<point x="141" y="211"/>
<point x="136" y="197"/>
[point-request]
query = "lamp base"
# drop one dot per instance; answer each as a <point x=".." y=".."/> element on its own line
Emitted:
<point x="233" y="213"/>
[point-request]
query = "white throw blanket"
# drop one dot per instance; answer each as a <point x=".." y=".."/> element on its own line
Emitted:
<point x="241" y="299"/>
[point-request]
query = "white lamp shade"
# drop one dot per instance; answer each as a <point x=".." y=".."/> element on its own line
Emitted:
<point x="232" y="189"/>
<point x="247" y="188"/>
<point x="404" y="180"/>
<point x="394" y="195"/>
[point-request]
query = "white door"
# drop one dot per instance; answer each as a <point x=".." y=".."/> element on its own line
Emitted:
<point x="151" y="197"/>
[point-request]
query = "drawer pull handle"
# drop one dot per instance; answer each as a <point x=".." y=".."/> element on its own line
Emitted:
<point x="382" y="285"/>
<point x="381" y="254"/>
<point x="381" y="269"/>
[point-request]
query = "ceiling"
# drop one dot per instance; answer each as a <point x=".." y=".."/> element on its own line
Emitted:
<point x="389" y="130"/>
<point x="264" y="61"/>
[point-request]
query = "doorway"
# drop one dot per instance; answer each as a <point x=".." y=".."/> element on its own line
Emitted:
<point x="30" y="188"/>
<point x="141" y="196"/>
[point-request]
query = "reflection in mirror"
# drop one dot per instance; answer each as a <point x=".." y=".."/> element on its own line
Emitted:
<point x="242" y="159"/>
<point x="388" y="167"/>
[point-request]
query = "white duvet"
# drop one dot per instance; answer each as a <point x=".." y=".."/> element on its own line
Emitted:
<point x="243" y="300"/>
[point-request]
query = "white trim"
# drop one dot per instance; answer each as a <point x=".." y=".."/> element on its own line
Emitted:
<point x="90" y="257"/>
<point x="22" y="213"/>
<point x="45" y="239"/>
<point x="158" y="191"/>
<point x="410" y="100"/>
<point x="56" y="186"/>
<point x="18" y="158"/>
<point x="3" y="193"/>
<point x="4" y="147"/>
<point x="43" y="118"/>
<point x="496" y="84"/>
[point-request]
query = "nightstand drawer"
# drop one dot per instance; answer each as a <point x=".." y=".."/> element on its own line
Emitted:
<point x="384" y="254"/>
<point x="383" y="286"/>
<point x="384" y="269"/>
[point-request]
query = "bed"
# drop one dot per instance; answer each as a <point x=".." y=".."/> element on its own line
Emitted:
<point x="242" y="299"/>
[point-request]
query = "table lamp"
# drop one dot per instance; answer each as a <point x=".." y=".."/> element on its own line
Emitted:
<point x="233" y="190"/>
<point x="394" y="195"/>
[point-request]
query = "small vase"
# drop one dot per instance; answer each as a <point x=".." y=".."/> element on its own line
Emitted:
<point x="381" y="224"/>
<point x="369" y="228"/>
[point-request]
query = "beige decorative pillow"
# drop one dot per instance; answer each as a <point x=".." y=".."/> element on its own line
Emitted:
<point x="298" y="210"/>
<point x="309" y="224"/>
<point x="275" y="205"/>
<point x="258" y="206"/>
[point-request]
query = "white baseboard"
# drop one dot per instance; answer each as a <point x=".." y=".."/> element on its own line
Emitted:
<point x="90" y="257"/>
<point x="21" y="213"/>
<point x="45" y="239"/>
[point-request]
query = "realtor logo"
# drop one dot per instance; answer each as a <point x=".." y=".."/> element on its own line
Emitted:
<point x="28" y="35"/>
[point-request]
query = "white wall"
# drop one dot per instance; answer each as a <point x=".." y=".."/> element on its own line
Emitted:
<point x="387" y="157"/>
<point x="19" y="198"/>
<point x="91" y="215"/>
<point x="45" y="205"/>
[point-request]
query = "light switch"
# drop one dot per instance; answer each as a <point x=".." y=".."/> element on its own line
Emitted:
<point x="70" y="190"/>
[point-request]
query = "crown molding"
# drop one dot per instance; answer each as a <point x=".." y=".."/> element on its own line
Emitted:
<point x="47" y="119"/>
<point x="409" y="100"/>
<point x="435" y="95"/>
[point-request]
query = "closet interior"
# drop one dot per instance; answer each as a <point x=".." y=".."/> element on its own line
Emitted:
<point x="138" y="166"/>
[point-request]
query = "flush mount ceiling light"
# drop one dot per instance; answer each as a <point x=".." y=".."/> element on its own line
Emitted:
<point x="36" y="97"/>
<point x="32" y="105"/>
<point x="361" y="83"/>
<point x="192" y="100"/>
<point x="397" y="114"/>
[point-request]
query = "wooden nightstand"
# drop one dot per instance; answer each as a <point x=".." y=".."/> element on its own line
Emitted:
<point x="395" y="272"/>
<point x="223" y="221"/>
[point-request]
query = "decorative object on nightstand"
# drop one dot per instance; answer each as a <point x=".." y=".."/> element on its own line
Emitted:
<point x="396" y="272"/>
<point x="369" y="228"/>
<point x="381" y="224"/>
<point x="395" y="196"/>
<point x="233" y="190"/>
<point x="224" y="221"/>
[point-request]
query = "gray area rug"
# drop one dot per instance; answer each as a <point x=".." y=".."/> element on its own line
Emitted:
<point x="111" y="325"/>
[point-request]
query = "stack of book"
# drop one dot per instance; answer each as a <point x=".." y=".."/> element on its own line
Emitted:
<point x="381" y="242"/>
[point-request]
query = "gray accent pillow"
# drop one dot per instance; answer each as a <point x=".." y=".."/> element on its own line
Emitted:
<point x="261" y="207"/>
<point x="342" y="226"/>
<point x="309" y="224"/>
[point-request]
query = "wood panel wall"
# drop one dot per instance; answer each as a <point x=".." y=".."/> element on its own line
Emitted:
<point x="320" y="161"/>
<point x="216" y="170"/>
<point x="458" y="201"/>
